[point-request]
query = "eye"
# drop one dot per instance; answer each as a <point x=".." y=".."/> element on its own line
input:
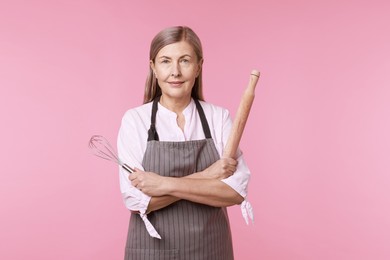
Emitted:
<point x="164" y="61"/>
<point x="185" y="61"/>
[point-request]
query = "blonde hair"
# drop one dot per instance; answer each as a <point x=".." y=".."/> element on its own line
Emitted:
<point x="165" y="37"/>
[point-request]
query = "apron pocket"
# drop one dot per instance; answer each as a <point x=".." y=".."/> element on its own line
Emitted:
<point x="151" y="254"/>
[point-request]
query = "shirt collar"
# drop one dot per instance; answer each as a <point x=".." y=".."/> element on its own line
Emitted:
<point x="187" y="111"/>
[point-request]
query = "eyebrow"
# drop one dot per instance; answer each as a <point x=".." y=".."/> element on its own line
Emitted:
<point x="166" y="57"/>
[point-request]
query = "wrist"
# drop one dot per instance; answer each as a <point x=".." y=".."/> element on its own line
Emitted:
<point x="167" y="185"/>
<point x="203" y="174"/>
<point x="197" y="175"/>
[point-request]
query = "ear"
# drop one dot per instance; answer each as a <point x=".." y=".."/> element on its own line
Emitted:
<point x="153" y="68"/>
<point x="200" y="63"/>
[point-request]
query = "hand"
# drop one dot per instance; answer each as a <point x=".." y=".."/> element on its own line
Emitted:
<point x="149" y="183"/>
<point x="221" y="169"/>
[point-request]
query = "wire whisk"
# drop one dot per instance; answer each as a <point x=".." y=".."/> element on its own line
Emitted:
<point x="102" y="148"/>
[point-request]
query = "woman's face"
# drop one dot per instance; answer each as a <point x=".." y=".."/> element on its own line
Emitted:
<point x="176" y="67"/>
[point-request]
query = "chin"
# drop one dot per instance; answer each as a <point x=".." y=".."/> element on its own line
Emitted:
<point x="177" y="93"/>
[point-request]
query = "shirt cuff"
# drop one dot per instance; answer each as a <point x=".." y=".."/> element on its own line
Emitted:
<point x="235" y="186"/>
<point x="247" y="212"/>
<point x="141" y="205"/>
<point x="149" y="227"/>
<point x="246" y="207"/>
<point x="136" y="202"/>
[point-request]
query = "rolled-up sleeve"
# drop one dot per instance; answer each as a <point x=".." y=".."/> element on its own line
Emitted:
<point x="130" y="151"/>
<point x="134" y="199"/>
<point x="240" y="179"/>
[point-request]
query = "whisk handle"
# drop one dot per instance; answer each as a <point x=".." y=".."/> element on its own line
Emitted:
<point x="127" y="168"/>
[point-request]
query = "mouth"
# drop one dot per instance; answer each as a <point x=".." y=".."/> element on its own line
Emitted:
<point x="175" y="83"/>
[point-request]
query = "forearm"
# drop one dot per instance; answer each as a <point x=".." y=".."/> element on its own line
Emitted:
<point x="205" y="191"/>
<point x="203" y="187"/>
<point x="160" y="202"/>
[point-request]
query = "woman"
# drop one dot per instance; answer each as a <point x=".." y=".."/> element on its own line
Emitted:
<point x="181" y="187"/>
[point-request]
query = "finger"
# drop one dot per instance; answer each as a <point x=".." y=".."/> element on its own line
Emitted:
<point x="134" y="181"/>
<point x="133" y="176"/>
<point x="233" y="161"/>
<point x="229" y="167"/>
<point x="229" y="161"/>
<point x="232" y="169"/>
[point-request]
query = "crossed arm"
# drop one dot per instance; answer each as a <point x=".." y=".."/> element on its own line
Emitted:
<point x="203" y="187"/>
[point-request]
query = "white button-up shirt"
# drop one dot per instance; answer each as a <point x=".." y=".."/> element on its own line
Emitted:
<point x="132" y="141"/>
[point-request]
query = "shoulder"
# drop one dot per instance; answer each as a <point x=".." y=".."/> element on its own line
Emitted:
<point x="141" y="112"/>
<point x="138" y="117"/>
<point x="214" y="111"/>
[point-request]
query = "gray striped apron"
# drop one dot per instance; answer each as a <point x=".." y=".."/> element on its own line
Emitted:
<point x="189" y="230"/>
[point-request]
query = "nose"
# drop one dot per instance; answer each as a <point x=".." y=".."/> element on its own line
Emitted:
<point x="176" y="70"/>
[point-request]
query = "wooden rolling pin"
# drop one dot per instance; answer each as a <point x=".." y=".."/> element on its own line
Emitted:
<point x="241" y="117"/>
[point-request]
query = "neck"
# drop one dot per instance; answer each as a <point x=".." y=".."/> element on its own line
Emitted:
<point x="175" y="105"/>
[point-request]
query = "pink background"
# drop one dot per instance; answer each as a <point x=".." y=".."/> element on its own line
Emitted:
<point x="317" y="140"/>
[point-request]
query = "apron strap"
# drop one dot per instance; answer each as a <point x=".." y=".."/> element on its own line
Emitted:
<point x="205" y="124"/>
<point x="152" y="132"/>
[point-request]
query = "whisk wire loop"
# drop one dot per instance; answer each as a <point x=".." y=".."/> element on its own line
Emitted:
<point x="102" y="148"/>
